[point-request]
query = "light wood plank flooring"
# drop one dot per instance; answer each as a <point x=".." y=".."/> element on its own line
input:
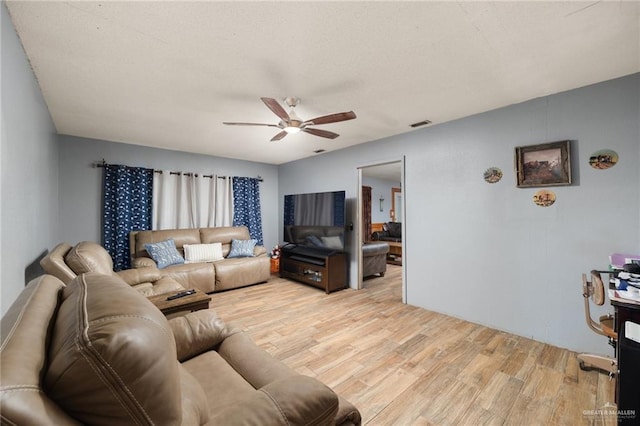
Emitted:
<point x="403" y="365"/>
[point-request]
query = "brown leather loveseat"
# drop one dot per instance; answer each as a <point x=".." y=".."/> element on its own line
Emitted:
<point x="223" y="274"/>
<point x="98" y="352"/>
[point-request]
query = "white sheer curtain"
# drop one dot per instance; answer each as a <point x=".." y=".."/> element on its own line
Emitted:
<point x="191" y="201"/>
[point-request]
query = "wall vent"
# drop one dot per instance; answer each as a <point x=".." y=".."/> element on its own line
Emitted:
<point x="421" y="123"/>
<point x="319" y="151"/>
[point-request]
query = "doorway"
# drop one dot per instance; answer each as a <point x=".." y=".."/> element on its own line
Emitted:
<point x="382" y="184"/>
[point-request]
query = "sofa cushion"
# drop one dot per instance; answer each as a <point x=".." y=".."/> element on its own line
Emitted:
<point x="164" y="253"/>
<point x="248" y="270"/>
<point x="242" y="248"/>
<point x="195" y="407"/>
<point x="395" y="229"/>
<point x="314" y="240"/>
<point x="228" y="387"/>
<point x="333" y="242"/>
<point x="224" y="235"/>
<point x="112" y="356"/>
<point x="138" y="239"/>
<point x="194" y="253"/>
<point x="293" y="401"/>
<point x="88" y="256"/>
<point x="193" y="275"/>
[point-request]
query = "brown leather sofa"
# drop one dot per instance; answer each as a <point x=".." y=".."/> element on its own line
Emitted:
<point x="67" y="262"/>
<point x="220" y="275"/>
<point x="98" y="352"/>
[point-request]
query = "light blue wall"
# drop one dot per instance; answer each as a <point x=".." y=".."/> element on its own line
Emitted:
<point x="380" y="188"/>
<point x="29" y="169"/>
<point x="486" y="253"/>
<point x="81" y="182"/>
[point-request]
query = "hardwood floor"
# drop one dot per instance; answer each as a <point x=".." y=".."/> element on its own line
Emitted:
<point x="403" y="365"/>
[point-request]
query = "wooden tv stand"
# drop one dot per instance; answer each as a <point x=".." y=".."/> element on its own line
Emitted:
<point x="317" y="268"/>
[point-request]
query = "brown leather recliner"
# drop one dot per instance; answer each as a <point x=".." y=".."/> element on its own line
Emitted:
<point x="98" y="352"/>
<point x="67" y="262"/>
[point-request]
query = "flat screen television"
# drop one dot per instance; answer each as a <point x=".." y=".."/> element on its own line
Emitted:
<point x="315" y="219"/>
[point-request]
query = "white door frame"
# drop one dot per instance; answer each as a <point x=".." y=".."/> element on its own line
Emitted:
<point x="360" y="237"/>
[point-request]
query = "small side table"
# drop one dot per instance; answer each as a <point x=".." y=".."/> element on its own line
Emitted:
<point x="193" y="302"/>
<point x="275" y="265"/>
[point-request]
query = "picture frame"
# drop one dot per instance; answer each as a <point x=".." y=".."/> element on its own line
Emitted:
<point x="547" y="164"/>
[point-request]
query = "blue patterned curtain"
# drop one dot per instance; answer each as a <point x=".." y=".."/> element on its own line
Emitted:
<point x="127" y="205"/>
<point x="289" y="209"/>
<point x="246" y="206"/>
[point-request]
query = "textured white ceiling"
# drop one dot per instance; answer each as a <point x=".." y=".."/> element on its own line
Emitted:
<point x="167" y="74"/>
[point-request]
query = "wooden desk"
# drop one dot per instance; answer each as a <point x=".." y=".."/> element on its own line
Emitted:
<point x="193" y="302"/>
<point x="628" y="355"/>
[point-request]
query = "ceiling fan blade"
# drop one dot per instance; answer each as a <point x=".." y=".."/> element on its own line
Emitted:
<point x="248" y="124"/>
<point x="332" y="118"/>
<point x="275" y="107"/>
<point x="279" y="136"/>
<point x="321" y="133"/>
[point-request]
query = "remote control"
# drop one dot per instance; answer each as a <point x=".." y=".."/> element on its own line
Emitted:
<point x="181" y="294"/>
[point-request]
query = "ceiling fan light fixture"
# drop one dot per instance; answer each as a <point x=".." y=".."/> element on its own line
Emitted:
<point x="292" y="130"/>
<point x="290" y="123"/>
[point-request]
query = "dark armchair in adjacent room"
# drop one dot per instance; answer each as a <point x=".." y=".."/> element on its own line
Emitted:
<point x="374" y="258"/>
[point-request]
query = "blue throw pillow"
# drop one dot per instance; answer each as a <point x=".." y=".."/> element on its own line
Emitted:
<point x="164" y="253"/>
<point x="242" y="248"/>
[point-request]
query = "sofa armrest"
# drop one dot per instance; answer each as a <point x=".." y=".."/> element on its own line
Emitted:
<point x="298" y="400"/>
<point x="197" y="332"/>
<point x="143" y="262"/>
<point x="259" y="251"/>
<point x="139" y="275"/>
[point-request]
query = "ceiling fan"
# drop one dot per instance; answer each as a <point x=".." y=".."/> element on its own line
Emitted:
<point x="291" y="123"/>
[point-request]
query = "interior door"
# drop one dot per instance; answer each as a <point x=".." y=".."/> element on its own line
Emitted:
<point x="396" y="167"/>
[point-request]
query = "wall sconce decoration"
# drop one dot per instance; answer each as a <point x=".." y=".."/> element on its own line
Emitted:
<point x="492" y="175"/>
<point x="381" y="201"/>
<point x="603" y="159"/>
<point x="544" y="198"/>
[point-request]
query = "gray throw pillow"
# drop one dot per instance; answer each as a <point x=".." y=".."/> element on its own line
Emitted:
<point x="242" y="248"/>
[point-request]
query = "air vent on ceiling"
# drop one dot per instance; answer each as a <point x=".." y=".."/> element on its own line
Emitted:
<point x="421" y="123"/>
<point x="319" y="151"/>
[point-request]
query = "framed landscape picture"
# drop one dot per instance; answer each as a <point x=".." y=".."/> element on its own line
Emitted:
<point x="547" y="164"/>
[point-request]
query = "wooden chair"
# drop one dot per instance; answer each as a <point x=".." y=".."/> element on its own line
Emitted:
<point x="595" y="291"/>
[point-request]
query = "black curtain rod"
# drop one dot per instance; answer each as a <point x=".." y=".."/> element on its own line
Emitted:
<point x="101" y="164"/>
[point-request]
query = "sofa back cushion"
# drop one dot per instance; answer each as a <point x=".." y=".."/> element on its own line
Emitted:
<point x="88" y="256"/>
<point x="224" y="235"/>
<point x="395" y="229"/>
<point x="25" y="337"/>
<point x="179" y="236"/>
<point x="112" y="356"/>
